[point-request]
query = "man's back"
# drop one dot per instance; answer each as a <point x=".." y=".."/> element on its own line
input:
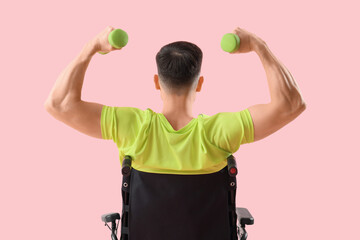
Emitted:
<point x="199" y="147"/>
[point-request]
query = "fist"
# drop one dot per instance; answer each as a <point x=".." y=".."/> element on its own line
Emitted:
<point x="101" y="42"/>
<point x="248" y="40"/>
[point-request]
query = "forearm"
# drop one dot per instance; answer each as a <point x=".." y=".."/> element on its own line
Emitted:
<point x="284" y="91"/>
<point x="67" y="88"/>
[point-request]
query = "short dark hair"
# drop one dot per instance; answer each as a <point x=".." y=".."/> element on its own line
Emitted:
<point x="179" y="65"/>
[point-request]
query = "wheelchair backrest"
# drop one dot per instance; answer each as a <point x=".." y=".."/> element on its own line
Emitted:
<point x="178" y="207"/>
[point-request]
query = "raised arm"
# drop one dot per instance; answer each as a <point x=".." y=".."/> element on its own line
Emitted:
<point x="64" y="102"/>
<point x="286" y="100"/>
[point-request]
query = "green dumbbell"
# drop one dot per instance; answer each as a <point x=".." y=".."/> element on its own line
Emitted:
<point x="118" y="38"/>
<point x="230" y="42"/>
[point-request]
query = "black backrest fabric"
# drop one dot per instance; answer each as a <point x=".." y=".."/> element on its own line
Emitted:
<point x="179" y="207"/>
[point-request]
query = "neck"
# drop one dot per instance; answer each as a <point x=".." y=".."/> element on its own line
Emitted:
<point x="177" y="107"/>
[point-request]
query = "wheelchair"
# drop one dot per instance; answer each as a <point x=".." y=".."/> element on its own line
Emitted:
<point x="178" y="207"/>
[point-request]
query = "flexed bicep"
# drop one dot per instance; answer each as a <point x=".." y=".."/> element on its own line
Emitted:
<point x="82" y="116"/>
<point x="269" y="118"/>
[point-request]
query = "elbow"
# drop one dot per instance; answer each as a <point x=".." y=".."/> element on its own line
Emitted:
<point x="300" y="105"/>
<point x="59" y="109"/>
<point x="301" y="108"/>
<point x="54" y="110"/>
<point x="298" y="108"/>
<point x="291" y="108"/>
<point x="303" y="105"/>
<point x="48" y="105"/>
<point x="51" y="107"/>
<point x="295" y="103"/>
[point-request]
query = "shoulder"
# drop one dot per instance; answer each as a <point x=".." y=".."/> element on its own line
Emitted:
<point x="125" y="115"/>
<point x="226" y="117"/>
<point x="126" y="110"/>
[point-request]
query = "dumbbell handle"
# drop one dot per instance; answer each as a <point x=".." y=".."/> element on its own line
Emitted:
<point x="118" y="38"/>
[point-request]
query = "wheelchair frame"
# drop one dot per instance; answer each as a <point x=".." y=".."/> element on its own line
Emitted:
<point x="238" y="217"/>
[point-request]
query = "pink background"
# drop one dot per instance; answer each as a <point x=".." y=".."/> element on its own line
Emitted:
<point x="300" y="182"/>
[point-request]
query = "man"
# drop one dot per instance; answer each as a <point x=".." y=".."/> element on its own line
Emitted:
<point x="174" y="141"/>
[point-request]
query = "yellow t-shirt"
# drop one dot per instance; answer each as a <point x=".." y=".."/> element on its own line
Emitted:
<point x="200" y="147"/>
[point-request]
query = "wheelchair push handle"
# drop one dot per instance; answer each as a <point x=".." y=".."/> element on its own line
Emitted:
<point x="232" y="168"/>
<point x="126" y="166"/>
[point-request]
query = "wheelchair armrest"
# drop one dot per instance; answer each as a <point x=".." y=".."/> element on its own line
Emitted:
<point x="244" y="216"/>
<point x="110" y="217"/>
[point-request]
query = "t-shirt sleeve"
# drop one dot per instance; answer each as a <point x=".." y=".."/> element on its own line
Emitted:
<point x="121" y="124"/>
<point x="228" y="130"/>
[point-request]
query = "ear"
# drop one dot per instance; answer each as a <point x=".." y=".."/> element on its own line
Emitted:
<point x="156" y="81"/>
<point x="201" y="80"/>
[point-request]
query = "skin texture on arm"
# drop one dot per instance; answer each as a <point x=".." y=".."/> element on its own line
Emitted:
<point x="64" y="102"/>
<point x="286" y="100"/>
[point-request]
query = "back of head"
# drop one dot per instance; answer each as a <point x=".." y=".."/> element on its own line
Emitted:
<point x="179" y="65"/>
